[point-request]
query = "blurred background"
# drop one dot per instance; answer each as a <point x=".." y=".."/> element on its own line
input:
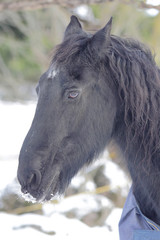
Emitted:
<point x="93" y="203"/>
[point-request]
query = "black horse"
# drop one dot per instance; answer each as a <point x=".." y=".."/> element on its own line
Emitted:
<point x="98" y="88"/>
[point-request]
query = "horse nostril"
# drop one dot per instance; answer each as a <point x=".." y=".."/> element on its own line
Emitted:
<point x="35" y="179"/>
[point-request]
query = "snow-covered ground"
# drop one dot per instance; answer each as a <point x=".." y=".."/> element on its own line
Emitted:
<point x="54" y="224"/>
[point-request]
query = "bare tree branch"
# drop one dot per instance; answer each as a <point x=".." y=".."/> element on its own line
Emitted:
<point x="36" y="4"/>
<point x="148" y="6"/>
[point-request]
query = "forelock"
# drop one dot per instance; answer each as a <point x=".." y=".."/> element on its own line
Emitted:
<point x="69" y="49"/>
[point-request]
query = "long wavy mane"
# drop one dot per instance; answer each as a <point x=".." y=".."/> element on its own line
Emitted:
<point x="138" y="81"/>
<point x="137" y="78"/>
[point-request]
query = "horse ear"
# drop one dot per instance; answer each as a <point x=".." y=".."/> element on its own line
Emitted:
<point x="73" y="27"/>
<point x="102" y="39"/>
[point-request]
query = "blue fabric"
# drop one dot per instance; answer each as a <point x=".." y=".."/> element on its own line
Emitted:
<point x="146" y="235"/>
<point x="134" y="225"/>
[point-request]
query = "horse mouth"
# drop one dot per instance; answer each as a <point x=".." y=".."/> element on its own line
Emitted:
<point x="47" y="190"/>
<point x="45" y="183"/>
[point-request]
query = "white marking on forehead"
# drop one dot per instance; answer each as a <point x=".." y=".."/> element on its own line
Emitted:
<point x="52" y="72"/>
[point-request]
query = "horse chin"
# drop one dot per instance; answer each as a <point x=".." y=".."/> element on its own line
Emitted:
<point x="53" y="191"/>
<point x="50" y="190"/>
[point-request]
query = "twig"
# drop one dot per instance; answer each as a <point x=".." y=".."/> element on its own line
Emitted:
<point x="37" y="4"/>
<point x="148" y="6"/>
<point x="38" y="206"/>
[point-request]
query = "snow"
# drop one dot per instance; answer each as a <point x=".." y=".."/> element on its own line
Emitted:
<point x="112" y="219"/>
<point x="57" y="227"/>
<point x="152" y="11"/>
<point x="153" y="2"/>
<point x="8" y="171"/>
<point x="14" y="124"/>
<point x="79" y="205"/>
<point x="84" y="12"/>
<point x="53" y="223"/>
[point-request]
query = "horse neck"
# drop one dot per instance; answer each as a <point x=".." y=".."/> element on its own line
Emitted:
<point x="145" y="173"/>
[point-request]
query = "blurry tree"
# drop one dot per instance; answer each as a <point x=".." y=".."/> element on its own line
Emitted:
<point x="26" y="40"/>
<point x="27" y="37"/>
<point x="34" y="4"/>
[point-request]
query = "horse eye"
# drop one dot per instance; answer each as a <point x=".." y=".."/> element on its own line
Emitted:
<point x="73" y="95"/>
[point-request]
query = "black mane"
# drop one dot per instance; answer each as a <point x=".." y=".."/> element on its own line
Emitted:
<point x="137" y="78"/>
<point x="138" y="83"/>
